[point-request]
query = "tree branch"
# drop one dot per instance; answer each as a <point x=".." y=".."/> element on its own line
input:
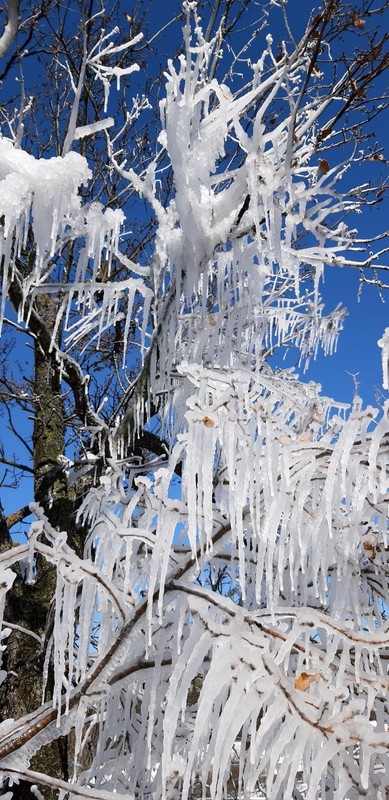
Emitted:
<point x="15" y="464"/>
<point x="17" y="516"/>
<point x="11" y="27"/>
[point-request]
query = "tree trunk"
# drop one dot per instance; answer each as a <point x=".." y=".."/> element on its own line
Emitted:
<point x="49" y="423"/>
<point x="31" y="606"/>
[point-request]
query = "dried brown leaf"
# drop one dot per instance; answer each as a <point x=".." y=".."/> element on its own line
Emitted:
<point x="208" y="422"/>
<point x="357" y="21"/>
<point x="304" y="680"/>
<point x="324" y="133"/>
<point x="323" y="166"/>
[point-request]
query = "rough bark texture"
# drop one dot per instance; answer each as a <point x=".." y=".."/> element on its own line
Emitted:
<point x="49" y="423"/>
<point x="31" y="606"/>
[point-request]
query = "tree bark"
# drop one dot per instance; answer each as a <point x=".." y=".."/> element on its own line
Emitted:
<point x="31" y="606"/>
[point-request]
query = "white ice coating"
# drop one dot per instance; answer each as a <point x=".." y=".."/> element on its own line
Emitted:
<point x="44" y="193"/>
<point x="94" y="127"/>
<point x="384" y="344"/>
<point x="266" y="485"/>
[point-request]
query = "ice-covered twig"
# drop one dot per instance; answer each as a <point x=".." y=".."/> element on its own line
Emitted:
<point x="11" y="27"/>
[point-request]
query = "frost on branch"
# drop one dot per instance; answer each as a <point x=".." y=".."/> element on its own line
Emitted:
<point x="384" y="343"/>
<point x="44" y="193"/>
<point x="172" y="688"/>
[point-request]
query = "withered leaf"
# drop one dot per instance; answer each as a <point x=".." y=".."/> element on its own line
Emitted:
<point x="323" y="166"/>
<point x="324" y="133"/>
<point x="304" y="680"/>
<point x="208" y="422"/>
<point x="357" y="21"/>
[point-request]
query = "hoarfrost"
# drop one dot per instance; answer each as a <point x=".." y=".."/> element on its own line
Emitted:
<point x="266" y="494"/>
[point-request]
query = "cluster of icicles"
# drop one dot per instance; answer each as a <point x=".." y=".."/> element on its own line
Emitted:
<point x="263" y="481"/>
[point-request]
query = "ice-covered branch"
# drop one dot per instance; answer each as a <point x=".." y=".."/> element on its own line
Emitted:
<point x="11" y="27"/>
<point x="384" y="344"/>
<point x="41" y="779"/>
<point x="231" y="600"/>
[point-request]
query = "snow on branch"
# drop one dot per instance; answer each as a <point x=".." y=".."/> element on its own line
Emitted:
<point x="45" y="194"/>
<point x="11" y="27"/>
<point x="94" y="127"/>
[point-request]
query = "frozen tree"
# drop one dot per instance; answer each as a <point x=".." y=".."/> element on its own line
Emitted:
<point x="216" y="618"/>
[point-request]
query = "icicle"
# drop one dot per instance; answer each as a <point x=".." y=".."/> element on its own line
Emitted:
<point x="384" y="344"/>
